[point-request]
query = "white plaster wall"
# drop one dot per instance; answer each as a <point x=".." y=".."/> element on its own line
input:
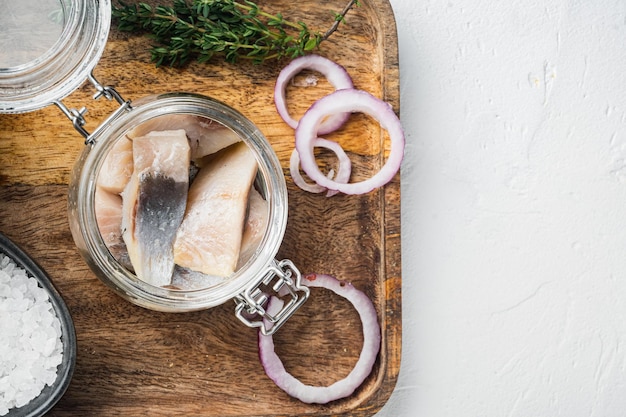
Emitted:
<point x="514" y="208"/>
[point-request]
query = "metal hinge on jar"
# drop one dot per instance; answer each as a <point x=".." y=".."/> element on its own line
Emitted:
<point x="77" y="117"/>
<point x="282" y="279"/>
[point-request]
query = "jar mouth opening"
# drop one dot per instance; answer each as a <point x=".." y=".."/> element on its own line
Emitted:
<point x="268" y="183"/>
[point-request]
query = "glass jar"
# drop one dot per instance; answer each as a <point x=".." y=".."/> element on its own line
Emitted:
<point x="71" y="35"/>
<point x="83" y="223"/>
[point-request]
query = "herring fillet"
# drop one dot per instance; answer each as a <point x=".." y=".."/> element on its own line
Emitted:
<point x="108" y="207"/>
<point x="117" y="167"/>
<point x="210" y="235"/>
<point x="189" y="280"/>
<point x="154" y="203"/>
<point x="254" y="226"/>
<point x="205" y="136"/>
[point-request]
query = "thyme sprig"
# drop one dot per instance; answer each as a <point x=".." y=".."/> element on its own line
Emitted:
<point x="203" y="29"/>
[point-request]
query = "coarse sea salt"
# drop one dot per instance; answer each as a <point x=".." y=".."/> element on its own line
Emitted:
<point x="30" y="337"/>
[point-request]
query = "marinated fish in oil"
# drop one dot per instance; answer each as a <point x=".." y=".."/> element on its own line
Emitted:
<point x="108" y="207"/>
<point x="154" y="203"/>
<point x="188" y="280"/>
<point x="205" y="135"/>
<point x="117" y="167"/>
<point x="254" y="227"/>
<point x="209" y="238"/>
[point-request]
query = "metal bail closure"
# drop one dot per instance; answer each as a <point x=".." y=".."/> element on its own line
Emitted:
<point x="282" y="279"/>
<point x="77" y="117"/>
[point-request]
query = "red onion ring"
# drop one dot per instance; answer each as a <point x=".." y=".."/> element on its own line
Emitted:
<point x="342" y="101"/>
<point x="343" y="172"/>
<point x="275" y="369"/>
<point x="336" y="75"/>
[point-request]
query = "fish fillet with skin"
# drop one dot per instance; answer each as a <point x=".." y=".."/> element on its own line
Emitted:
<point x="209" y="239"/>
<point x="117" y="167"/>
<point x="205" y="135"/>
<point x="254" y="227"/>
<point x="154" y="203"/>
<point x="188" y="280"/>
<point x="108" y="207"/>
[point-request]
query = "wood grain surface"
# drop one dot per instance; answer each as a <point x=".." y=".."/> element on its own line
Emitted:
<point x="136" y="362"/>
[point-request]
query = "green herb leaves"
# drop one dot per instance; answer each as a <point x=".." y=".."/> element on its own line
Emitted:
<point x="205" y="28"/>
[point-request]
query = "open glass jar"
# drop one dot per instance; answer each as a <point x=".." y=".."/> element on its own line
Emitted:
<point x="75" y="33"/>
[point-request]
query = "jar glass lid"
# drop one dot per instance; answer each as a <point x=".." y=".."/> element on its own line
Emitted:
<point x="48" y="48"/>
<point x="25" y="40"/>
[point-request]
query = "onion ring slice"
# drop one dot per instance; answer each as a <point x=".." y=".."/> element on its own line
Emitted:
<point x="341" y="101"/>
<point x="275" y="369"/>
<point x="334" y="73"/>
<point x="343" y="171"/>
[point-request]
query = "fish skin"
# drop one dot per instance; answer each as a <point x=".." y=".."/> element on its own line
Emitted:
<point x="189" y="280"/>
<point x="154" y="203"/>
<point x="209" y="238"/>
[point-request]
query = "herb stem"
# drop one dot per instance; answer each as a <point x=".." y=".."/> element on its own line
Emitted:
<point x="339" y="18"/>
<point x="235" y="29"/>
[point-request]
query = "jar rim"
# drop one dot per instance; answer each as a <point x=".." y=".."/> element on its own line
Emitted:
<point x="30" y="83"/>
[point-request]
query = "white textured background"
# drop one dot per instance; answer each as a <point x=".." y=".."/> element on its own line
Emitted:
<point x="513" y="208"/>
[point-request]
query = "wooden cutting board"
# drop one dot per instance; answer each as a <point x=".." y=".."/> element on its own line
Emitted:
<point x="132" y="361"/>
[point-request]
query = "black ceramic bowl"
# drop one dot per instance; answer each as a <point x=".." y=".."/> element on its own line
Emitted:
<point x="50" y="395"/>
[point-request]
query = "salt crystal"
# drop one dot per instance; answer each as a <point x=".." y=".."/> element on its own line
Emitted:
<point x="30" y="337"/>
